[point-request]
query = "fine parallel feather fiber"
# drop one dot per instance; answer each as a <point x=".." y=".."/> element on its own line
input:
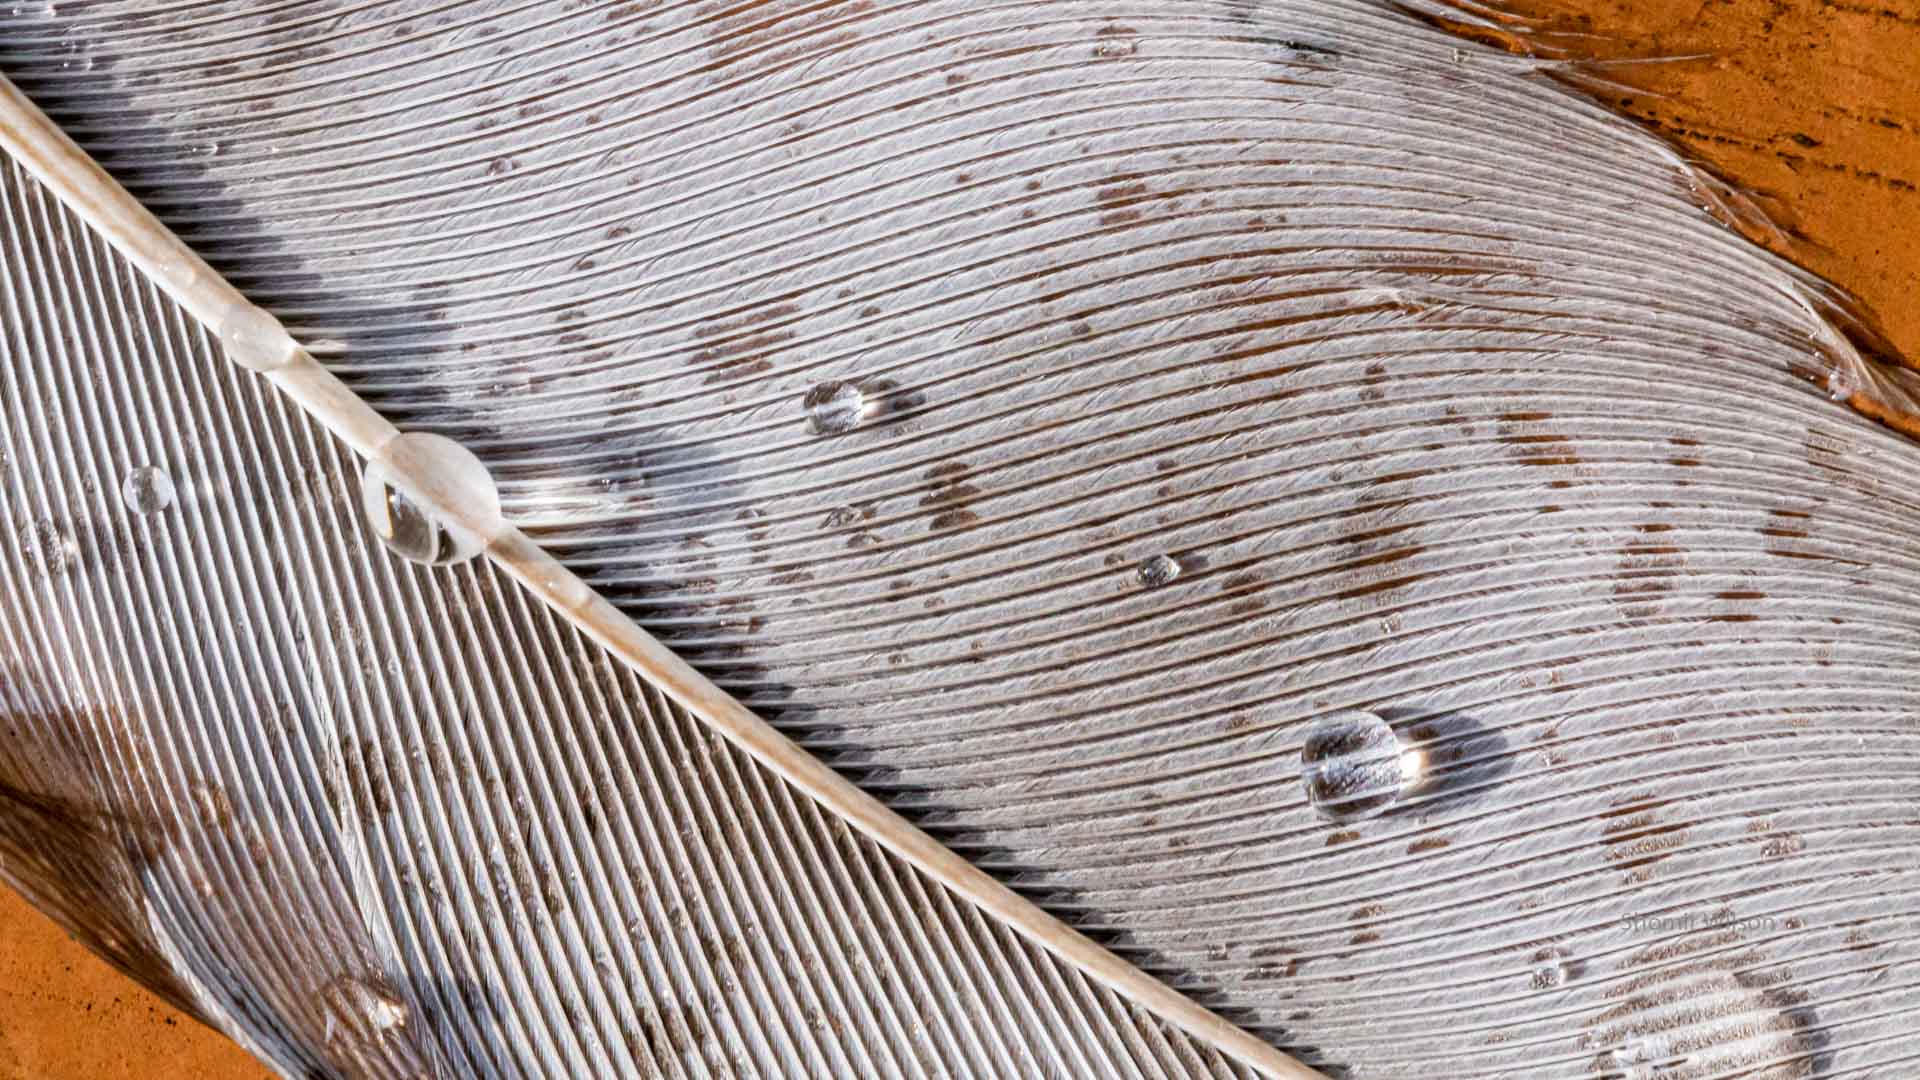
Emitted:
<point x="1447" y="392"/>
<point x="375" y="820"/>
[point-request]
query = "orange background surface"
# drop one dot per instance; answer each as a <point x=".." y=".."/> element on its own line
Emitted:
<point x="1812" y="106"/>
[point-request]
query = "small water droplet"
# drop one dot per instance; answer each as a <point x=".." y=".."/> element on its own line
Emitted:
<point x="147" y="490"/>
<point x="407" y="526"/>
<point x="1552" y="968"/>
<point x="358" y="1005"/>
<point x="1159" y="570"/>
<point x="1354" y="765"/>
<point x="1841" y="385"/>
<point x="1644" y="1057"/>
<point x="834" y="408"/>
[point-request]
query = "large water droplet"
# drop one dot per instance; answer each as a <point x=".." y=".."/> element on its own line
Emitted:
<point x="1354" y="765"/>
<point x="408" y="526"/>
<point x="147" y="490"/>
<point x="1159" y="570"/>
<point x="254" y="339"/>
<point x="834" y="408"/>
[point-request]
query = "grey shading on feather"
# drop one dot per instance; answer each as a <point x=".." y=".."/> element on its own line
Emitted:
<point x="1444" y="388"/>
<point x="378" y="821"/>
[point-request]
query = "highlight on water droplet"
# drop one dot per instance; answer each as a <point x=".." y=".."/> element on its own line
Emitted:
<point x="1354" y="766"/>
<point x="1159" y="570"/>
<point x="405" y="523"/>
<point x="1552" y="968"/>
<point x="361" y="1007"/>
<point x="147" y="490"/>
<point x="254" y="339"/>
<point x="1841" y="385"/>
<point x="1644" y="1057"/>
<point x="834" y="408"/>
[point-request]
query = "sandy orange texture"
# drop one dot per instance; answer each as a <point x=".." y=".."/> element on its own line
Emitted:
<point x="1812" y="106"/>
<point x="65" y="1014"/>
<point x="1815" y="104"/>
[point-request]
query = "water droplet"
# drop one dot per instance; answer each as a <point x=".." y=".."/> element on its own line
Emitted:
<point x="1159" y="570"/>
<point x="1841" y="385"/>
<point x="834" y="408"/>
<point x="253" y="338"/>
<point x="147" y="490"/>
<point x="408" y="526"/>
<point x="840" y="517"/>
<point x="1698" y="1019"/>
<point x="1354" y="765"/>
<point x="1644" y="1057"/>
<point x="1552" y="968"/>
<point x="359" y="1006"/>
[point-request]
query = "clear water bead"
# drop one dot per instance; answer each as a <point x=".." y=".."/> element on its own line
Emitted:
<point x="1159" y="570"/>
<point x="147" y="490"/>
<point x="254" y="339"/>
<point x="1552" y="969"/>
<point x="1354" y="766"/>
<point x="362" y="1007"/>
<point x="834" y="408"/>
<point x="1841" y="384"/>
<point x="407" y="525"/>
<point x="1644" y="1058"/>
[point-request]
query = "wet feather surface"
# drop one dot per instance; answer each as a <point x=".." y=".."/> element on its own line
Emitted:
<point x="1442" y="391"/>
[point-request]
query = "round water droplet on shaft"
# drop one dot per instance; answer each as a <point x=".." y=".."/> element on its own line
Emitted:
<point x="147" y="490"/>
<point x="834" y="408"/>
<point x="1159" y="570"/>
<point x="254" y="339"/>
<point x="411" y="528"/>
<point x="1354" y="766"/>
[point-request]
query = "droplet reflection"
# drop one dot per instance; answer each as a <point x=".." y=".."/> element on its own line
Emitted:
<point x="147" y="490"/>
<point x="1354" y="766"/>
<point x="413" y="531"/>
<point x="1159" y="570"/>
<point x="834" y="408"/>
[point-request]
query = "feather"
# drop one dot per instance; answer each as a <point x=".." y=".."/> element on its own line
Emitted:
<point x="1050" y="415"/>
